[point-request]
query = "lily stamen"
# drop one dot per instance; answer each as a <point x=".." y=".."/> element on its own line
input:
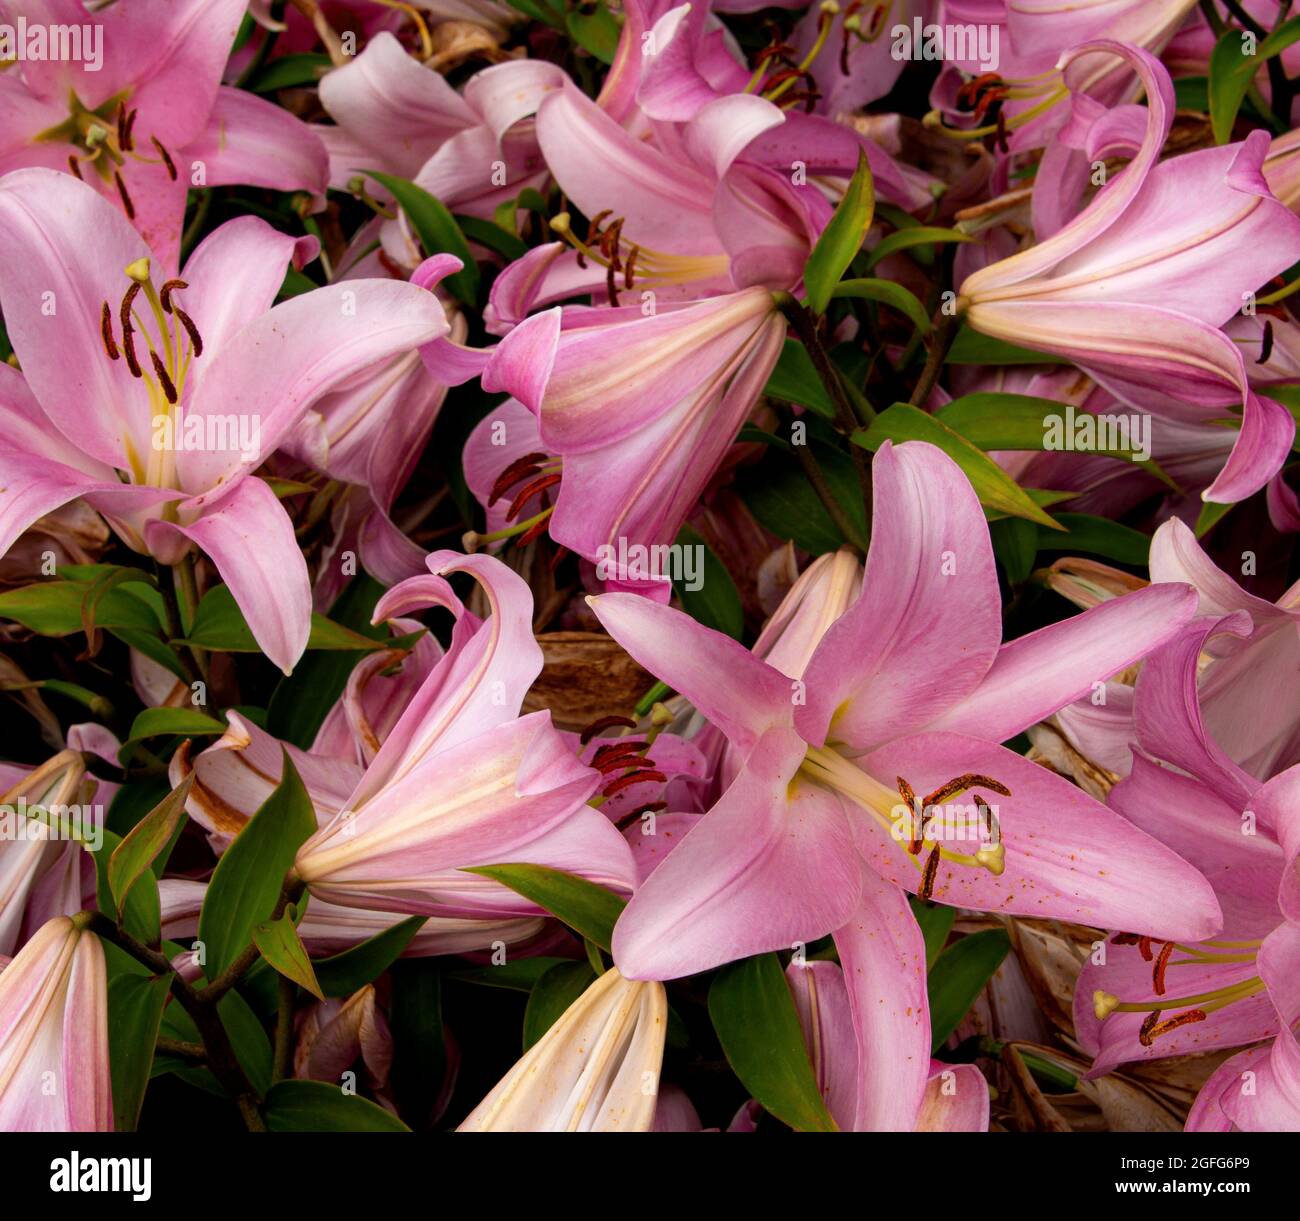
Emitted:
<point x="534" y="487"/>
<point x="124" y="196"/>
<point x="638" y="777"/>
<point x="651" y="266"/>
<point x="106" y="332"/>
<point x="601" y="724"/>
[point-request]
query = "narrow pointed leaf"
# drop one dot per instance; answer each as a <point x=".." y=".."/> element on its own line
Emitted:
<point x="149" y="837"/>
<point x="907" y="239"/>
<point x="756" y="1022"/>
<point x="589" y="909"/>
<point x="886" y="292"/>
<point x="342" y="974"/>
<point x="248" y="878"/>
<point x="135" y="1008"/>
<point x="959" y="976"/>
<point x="842" y="238"/>
<point x="995" y="488"/>
<point x="437" y="230"/>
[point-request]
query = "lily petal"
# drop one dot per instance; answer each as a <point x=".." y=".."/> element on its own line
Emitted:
<point x="768" y="866"/>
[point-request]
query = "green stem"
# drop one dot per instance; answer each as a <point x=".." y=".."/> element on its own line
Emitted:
<point x="1247" y="21"/>
<point x="941" y="337"/>
<point x="1212" y="18"/>
<point x="186" y="583"/>
<point x="284" y="1029"/>
<point x="289" y="893"/>
<point x="172" y="622"/>
<point x="221" y="1058"/>
<point x="832" y="506"/>
<point x="805" y="326"/>
<point x="182" y="1050"/>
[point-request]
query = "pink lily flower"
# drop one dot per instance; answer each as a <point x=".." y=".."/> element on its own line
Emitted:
<point x="831" y="757"/>
<point x="1134" y="292"/>
<point x="42" y="873"/>
<point x="1244" y="685"/>
<point x="459" y="779"/>
<point x="54" y="1029"/>
<point x="956" y="1097"/>
<point x="473" y="149"/>
<point x="1150" y="998"/>
<point x="636" y="454"/>
<point x="697" y="175"/>
<point x="1255" y="1090"/>
<point x="463" y="779"/>
<point x="179" y="388"/>
<point x="370" y="433"/>
<point x="1026" y="82"/>
<point x="147" y="117"/>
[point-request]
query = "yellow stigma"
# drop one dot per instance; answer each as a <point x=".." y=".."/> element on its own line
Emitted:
<point x="560" y="222"/>
<point x="1104" y="1004"/>
<point x="992" y="857"/>
<point x="139" y="270"/>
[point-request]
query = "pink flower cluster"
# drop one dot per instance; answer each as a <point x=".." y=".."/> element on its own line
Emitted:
<point x="725" y="523"/>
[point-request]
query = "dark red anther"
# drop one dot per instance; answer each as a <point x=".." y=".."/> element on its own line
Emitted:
<point x="645" y="776"/>
<point x="127" y="140"/>
<point x="165" y="293"/>
<point x="778" y="78"/>
<point x="128" y="329"/>
<point x="620" y="746"/>
<point x="532" y="488"/>
<point x="125" y="198"/>
<point x="604" y="723"/>
<point x="986" y="101"/>
<point x="650" y="807"/>
<point x="1179" y="1019"/>
<point x="988" y="822"/>
<point x="1158" y="971"/>
<point x="876" y="22"/>
<point x="929" y="874"/>
<point x="1146" y="1032"/>
<point x="1001" y="141"/>
<point x="959" y="784"/>
<point x="106" y="331"/>
<point x="908" y="795"/>
<point x="166" y="156"/>
<point x="1125" y="939"/>
<point x="74" y="167"/>
<point x="163" y="379"/>
<point x="1266" y="344"/>
<point x="196" y="340"/>
<point x="620" y="763"/>
<point x="533" y="532"/>
<point x="969" y="91"/>
<point x="1152" y="1030"/>
<point x="520" y="468"/>
<point x="1144" y="948"/>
